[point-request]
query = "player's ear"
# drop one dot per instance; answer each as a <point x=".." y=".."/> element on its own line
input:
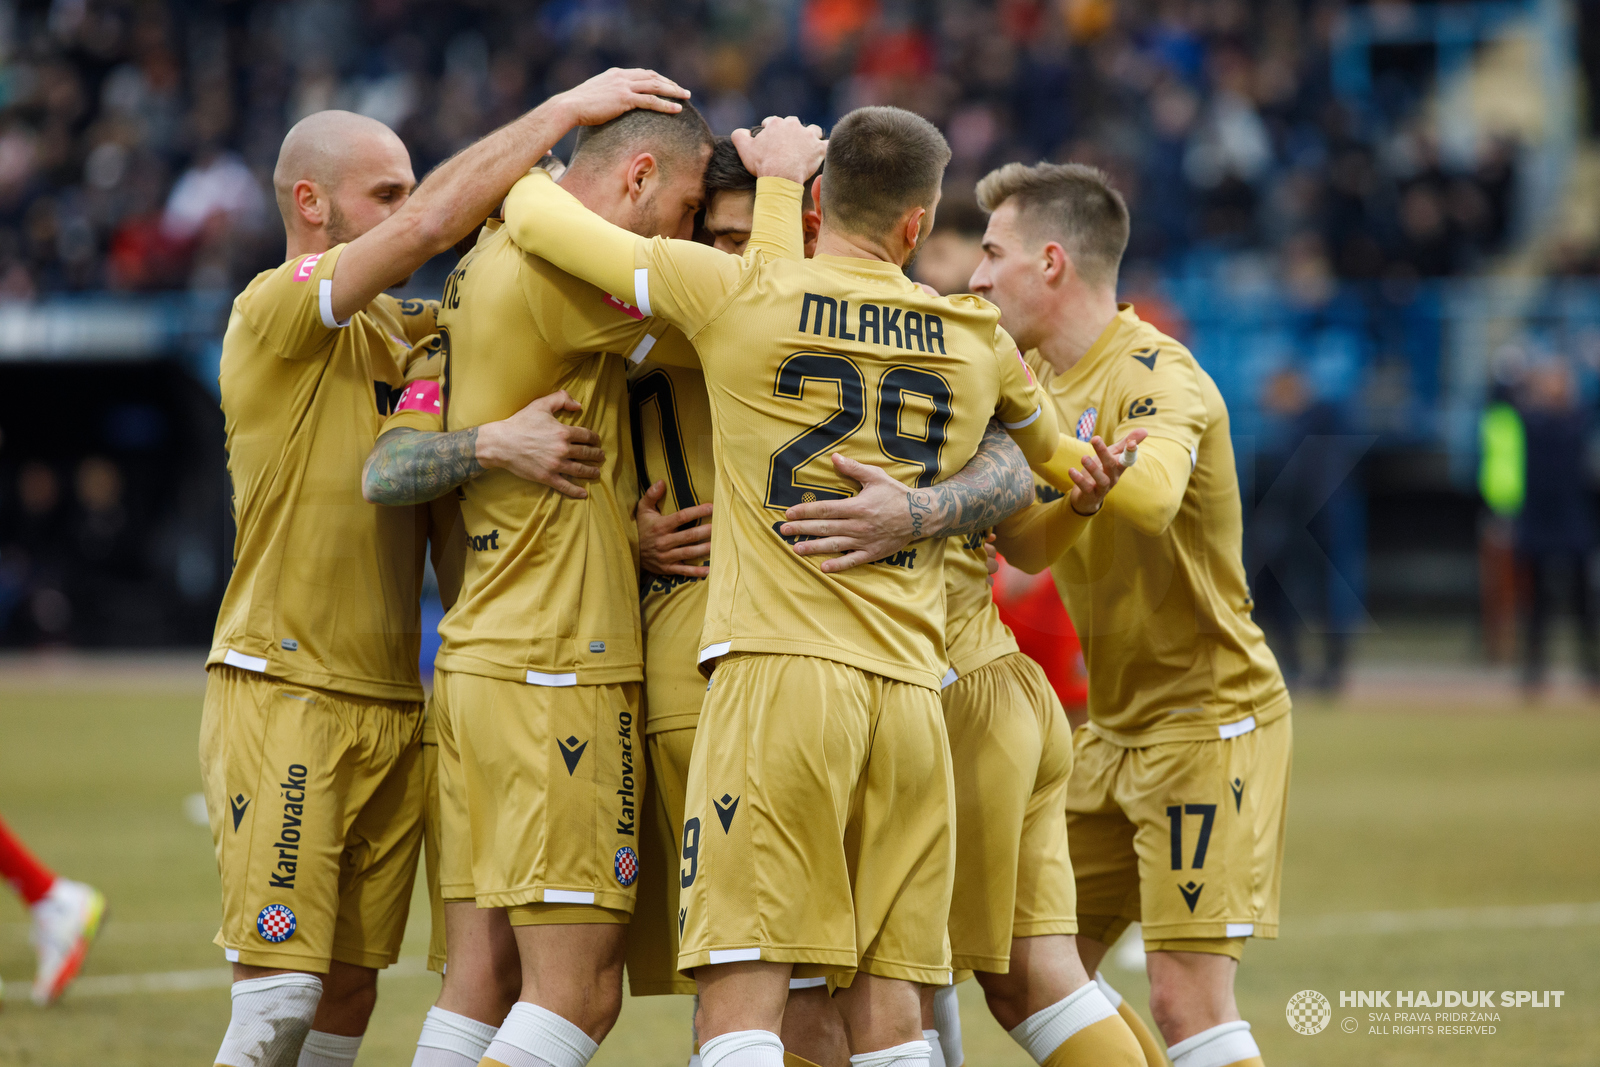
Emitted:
<point x="810" y="226"/>
<point x="640" y="170"/>
<point x="1055" y="262"/>
<point x="911" y="227"/>
<point x="308" y="202"/>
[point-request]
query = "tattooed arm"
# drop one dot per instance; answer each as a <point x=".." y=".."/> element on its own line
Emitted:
<point x="887" y="515"/>
<point x="410" y="466"/>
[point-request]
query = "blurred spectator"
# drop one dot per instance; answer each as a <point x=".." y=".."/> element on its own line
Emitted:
<point x="1305" y="538"/>
<point x="1502" y="465"/>
<point x="137" y="140"/>
<point x="35" y="559"/>
<point x="1555" y="530"/>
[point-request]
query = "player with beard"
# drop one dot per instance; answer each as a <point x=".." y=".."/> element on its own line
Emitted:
<point x="310" y="734"/>
<point x="673" y="443"/>
<point x="541" y="762"/>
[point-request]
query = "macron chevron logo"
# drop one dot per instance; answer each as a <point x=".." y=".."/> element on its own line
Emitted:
<point x="571" y="753"/>
<point x="726" y="807"/>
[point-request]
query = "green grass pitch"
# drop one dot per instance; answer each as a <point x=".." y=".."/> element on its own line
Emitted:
<point x="1392" y="811"/>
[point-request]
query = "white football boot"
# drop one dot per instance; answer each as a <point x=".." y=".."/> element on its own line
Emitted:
<point x="65" y="923"/>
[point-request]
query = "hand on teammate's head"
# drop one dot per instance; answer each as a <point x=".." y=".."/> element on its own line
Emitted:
<point x="785" y="149"/>
<point x="671" y="544"/>
<point x="605" y="96"/>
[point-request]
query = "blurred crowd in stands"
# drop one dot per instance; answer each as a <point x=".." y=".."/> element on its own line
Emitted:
<point x="137" y="137"/>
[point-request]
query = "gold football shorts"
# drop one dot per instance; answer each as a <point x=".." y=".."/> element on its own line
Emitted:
<point x="673" y="685"/>
<point x="818" y="822"/>
<point x="545" y="782"/>
<point x="430" y="839"/>
<point x="1011" y="754"/>
<point x="653" y="935"/>
<point x="315" y="801"/>
<point x="1185" y="837"/>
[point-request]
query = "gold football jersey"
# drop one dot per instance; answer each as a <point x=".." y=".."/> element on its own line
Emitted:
<point x="974" y="634"/>
<point x="325" y="586"/>
<point x="550" y="588"/>
<point x="1155" y="584"/>
<point x="804" y="359"/>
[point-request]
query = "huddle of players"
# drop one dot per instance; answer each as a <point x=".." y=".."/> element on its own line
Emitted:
<point x="796" y="832"/>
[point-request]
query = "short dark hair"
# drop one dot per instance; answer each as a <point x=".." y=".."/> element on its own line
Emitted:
<point x="726" y="173"/>
<point x="881" y="162"/>
<point x="1069" y="202"/>
<point x="670" y="137"/>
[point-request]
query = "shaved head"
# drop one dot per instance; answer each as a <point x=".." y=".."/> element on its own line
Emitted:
<point x="353" y="165"/>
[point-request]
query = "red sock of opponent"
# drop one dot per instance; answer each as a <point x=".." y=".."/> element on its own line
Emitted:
<point x="18" y="866"/>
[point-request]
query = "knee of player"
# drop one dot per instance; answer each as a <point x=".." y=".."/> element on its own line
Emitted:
<point x="601" y="1009"/>
<point x="1007" y="997"/>
<point x="348" y="997"/>
<point x="505" y="987"/>
<point x="1183" y="1003"/>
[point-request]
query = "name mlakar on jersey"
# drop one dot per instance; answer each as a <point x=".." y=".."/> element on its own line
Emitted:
<point x="878" y="323"/>
<point x="625" y="825"/>
<point x="288" y="843"/>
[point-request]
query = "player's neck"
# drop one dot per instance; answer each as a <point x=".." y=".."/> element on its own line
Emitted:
<point x="597" y="191"/>
<point x="832" y="242"/>
<point x="1079" y="319"/>
<point x="306" y="243"/>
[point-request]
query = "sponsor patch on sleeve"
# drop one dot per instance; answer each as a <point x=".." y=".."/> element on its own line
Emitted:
<point x="307" y="267"/>
<point x="420" y="396"/>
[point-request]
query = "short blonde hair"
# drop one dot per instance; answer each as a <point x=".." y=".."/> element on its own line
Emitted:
<point x="1067" y="202"/>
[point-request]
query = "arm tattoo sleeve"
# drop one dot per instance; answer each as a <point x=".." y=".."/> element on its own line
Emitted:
<point x="413" y="466"/>
<point x="993" y="485"/>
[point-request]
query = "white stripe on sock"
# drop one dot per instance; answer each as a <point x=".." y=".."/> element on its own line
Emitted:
<point x="743" y="1048"/>
<point x="1216" y="1047"/>
<point x="329" y="1050"/>
<point x="451" y="1040"/>
<point x="947" y="1019"/>
<point x="1045" y="1030"/>
<point x="535" y="1031"/>
<point x="910" y="1054"/>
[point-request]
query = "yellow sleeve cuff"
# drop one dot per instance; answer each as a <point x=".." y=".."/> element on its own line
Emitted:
<point x="776" y="228"/>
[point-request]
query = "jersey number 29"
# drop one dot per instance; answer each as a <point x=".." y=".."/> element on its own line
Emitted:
<point x="896" y="385"/>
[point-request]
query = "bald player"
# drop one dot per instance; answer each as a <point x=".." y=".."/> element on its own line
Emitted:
<point x="1180" y="779"/>
<point x="310" y="735"/>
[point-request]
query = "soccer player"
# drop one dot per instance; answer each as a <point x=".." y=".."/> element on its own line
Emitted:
<point x="310" y="733"/>
<point x="66" y="916"/>
<point x="1012" y="911"/>
<point x="673" y="438"/>
<point x="1177" y="794"/>
<point x="541" y="761"/>
<point x="817" y="839"/>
